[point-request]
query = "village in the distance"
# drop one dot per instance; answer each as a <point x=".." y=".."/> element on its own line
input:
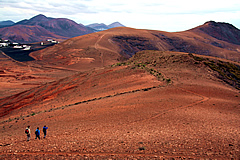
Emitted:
<point x="8" y="44"/>
<point x="14" y="49"/>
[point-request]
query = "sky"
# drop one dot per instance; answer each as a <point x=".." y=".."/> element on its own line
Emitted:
<point x="164" y="15"/>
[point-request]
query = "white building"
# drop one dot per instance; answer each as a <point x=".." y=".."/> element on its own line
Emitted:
<point x="3" y="44"/>
<point x="27" y="48"/>
<point x="18" y="47"/>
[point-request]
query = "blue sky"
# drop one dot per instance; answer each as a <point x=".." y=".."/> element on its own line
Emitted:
<point x="165" y="15"/>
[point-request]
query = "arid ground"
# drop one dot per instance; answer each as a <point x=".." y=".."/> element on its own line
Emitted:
<point x="166" y="106"/>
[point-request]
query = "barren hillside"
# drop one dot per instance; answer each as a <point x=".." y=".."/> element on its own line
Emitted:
<point x="156" y="105"/>
<point x="117" y="44"/>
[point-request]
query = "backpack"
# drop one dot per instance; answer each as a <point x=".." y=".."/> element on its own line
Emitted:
<point x="26" y="131"/>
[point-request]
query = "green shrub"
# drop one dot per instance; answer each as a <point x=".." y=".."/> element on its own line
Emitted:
<point x="168" y="80"/>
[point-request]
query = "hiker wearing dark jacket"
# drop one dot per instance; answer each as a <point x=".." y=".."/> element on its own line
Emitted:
<point x="45" y="131"/>
<point x="37" y="132"/>
<point x="28" y="132"/>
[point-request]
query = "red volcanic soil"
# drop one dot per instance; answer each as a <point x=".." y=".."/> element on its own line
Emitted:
<point x="157" y="105"/>
<point x="17" y="76"/>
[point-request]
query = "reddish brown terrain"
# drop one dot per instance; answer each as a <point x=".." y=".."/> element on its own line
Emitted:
<point x="155" y="105"/>
<point x="107" y="47"/>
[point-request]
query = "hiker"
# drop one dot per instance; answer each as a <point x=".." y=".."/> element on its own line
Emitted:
<point x="37" y="132"/>
<point x="28" y="132"/>
<point x="45" y="131"/>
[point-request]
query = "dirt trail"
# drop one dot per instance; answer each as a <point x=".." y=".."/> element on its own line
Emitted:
<point x="99" y="39"/>
<point x="204" y="98"/>
<point x="97" y="46"/>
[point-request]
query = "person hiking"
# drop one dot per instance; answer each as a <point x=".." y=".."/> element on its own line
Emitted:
<point x="45" y="131"/>
<point x="28" y="132"/>
<point x="37" y="132"/>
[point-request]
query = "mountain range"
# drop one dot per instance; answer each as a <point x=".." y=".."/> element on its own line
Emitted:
<point x="40" y="28"/>
<point x="102" y="26"/>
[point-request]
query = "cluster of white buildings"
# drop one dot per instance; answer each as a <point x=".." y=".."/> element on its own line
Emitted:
<point x="23" y="47"/>
<point x="4" y="43"/>
<point x="7" y="43"/>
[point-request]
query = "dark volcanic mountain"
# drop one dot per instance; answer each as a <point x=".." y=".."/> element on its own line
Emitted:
<point x="59" y="26"/>
<point x="221" y="31"/>
<point x="6" y="23"/>
<point x="39" y="19"/>
<point x="26" y="34"/>
<point x="56" y="28"/>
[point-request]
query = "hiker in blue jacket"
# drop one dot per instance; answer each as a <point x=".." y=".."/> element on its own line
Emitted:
<point x="37" y="132"/>
<point x="45" y="131"/>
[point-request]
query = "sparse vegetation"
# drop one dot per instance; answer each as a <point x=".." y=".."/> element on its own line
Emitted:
<point x="168" y="80"/>
<point x="228" y="72"/>
<point x="199" y="58"/>
<point x="118" y="64"/>
<point x="148" y="60"/>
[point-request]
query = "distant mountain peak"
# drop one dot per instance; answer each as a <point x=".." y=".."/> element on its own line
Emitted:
<point x="6" y="23"/>
<point x="40" y="17"/>
<point x="210" y="23"/>
<point x="221" y="31"/>
<point x="216" y="24"/>
<point x="102" y="26"/>
<point x="115" y="24"/>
